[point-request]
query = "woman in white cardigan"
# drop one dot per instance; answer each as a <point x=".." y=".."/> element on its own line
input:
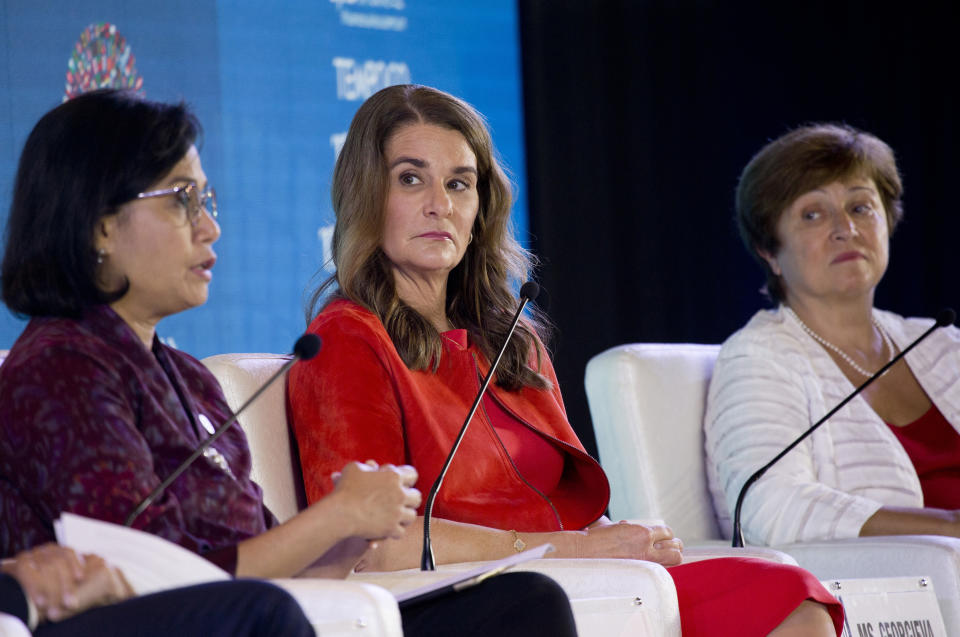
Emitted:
<point x="817" y="206"/>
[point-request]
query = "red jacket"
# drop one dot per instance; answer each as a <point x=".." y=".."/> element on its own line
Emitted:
<point x="357" y="401"/>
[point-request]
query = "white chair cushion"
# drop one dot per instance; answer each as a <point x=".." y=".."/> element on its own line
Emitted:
<point x="608" y="597"/>
<point x="336" y="607"/>
<point x="275" y="460"/>
<point x="647" y="402"/>
<point x="11" y="626"/>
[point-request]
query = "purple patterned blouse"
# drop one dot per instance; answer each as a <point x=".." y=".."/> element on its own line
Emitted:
<point x="91" y="422"/>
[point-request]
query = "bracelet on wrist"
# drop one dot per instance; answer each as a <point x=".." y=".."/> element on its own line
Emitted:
<point x="518" y="544"/>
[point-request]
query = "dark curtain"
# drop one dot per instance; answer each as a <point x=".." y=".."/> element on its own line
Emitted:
<point x="640" y="116"/>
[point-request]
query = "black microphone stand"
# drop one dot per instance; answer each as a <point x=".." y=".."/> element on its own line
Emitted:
<point x="528" y="291"/>
<point x="305" y="348"/>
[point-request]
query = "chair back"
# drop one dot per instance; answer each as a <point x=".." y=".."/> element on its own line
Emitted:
<point x="647" y="402"/>
<point x="275" y="459"/>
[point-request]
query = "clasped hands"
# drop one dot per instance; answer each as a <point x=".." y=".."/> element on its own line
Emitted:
<point x="60" y="583"/>
<point x="379" y="501"/>
<point x="629" y="540"/>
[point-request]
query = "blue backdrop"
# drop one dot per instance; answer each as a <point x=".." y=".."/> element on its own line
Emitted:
<point x="275" y="88"/>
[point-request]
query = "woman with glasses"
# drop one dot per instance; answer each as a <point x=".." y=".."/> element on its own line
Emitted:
<point x="112" y="229"/>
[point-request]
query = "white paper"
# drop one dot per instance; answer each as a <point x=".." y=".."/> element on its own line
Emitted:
<point x="490" y="568"/>
<point x="150" y="563"/>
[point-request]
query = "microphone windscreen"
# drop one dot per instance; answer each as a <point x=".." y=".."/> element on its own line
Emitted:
<point x="306" y="347"/>
<point x="946" y="316"/>
<point x="529" y="290"/>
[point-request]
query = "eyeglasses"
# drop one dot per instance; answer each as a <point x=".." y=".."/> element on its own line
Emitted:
<point x="192" y="200"/>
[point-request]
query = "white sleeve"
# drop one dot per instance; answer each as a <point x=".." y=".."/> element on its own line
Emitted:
<point x="758" y="404"/>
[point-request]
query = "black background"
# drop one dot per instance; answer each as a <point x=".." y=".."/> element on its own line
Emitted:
<point x="639" y="118"/>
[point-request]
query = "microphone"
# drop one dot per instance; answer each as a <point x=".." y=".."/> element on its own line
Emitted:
<point x="944" y="317"/>
<point x="304" y="349"/>
<point x="528" y="292"/>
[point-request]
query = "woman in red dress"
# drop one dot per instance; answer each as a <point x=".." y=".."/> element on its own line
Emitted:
<point x="421" y="302"/>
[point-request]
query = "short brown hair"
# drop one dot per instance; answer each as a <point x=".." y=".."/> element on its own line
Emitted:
<point x="799" y="161"/>
<point x="479" y="296"/>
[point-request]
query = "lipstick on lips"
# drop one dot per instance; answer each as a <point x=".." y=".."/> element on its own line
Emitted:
<point x="436" y="234"/>
<point x="203" y="270"/>
<point x="851" y="255"/>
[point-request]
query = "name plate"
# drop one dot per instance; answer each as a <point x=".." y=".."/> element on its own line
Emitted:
<point x="889" y="607"/>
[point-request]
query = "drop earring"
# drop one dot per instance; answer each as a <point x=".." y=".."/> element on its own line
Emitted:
<point x="101" y="253"/>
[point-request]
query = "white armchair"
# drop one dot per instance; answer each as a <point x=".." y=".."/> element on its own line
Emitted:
<point x="609" y="597"/>
<point x="647" y="402"/>
<point x="11" y="626"/>
<point x="336" y="607"/>
<point x="332" y="607"/>
<point x="276" y="461"/>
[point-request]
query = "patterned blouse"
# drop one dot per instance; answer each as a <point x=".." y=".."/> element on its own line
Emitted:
<point x="91" y="421"/>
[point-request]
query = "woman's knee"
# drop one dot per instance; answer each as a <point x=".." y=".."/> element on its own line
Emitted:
<point x="809" y="619"/>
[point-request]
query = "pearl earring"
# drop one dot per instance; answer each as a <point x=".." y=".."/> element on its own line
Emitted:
<point x="101" y="253"/>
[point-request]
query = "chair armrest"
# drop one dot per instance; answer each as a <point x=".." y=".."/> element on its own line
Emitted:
<point x="609" y="597"/>
<point x="11" y="626"/>
<point x="338" y="607"/>
<point x="933" y="556"/>
<point x="619" y="582"/>
<point x="333" y="607"/>
<point x="709" y="550"/>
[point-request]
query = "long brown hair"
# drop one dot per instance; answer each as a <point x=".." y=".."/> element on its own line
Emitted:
<point x="479" y="296"/>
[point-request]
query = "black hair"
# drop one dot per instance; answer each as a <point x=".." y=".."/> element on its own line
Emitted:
<point x="81" y="161"/>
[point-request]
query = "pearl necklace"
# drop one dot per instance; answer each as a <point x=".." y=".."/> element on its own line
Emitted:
<point x="883" y="335"/>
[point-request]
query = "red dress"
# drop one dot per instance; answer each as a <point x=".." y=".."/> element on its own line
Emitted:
<point x="704" y="610"/>
<point x="357" y="400"/>
<point x="933" y="446"/>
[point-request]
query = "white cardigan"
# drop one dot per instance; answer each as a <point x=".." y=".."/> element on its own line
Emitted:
<point x="770" y="383"/>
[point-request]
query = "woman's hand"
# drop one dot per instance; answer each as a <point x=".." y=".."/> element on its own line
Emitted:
<point x="368" y="503"/>
<point x="890" y="520"/>
<point x="377" y="502"/>
<point x="61" y="583"/>
<point x="654" y="543"/>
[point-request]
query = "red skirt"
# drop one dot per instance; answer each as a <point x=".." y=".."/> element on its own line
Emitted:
<point x="744" y="596"/>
